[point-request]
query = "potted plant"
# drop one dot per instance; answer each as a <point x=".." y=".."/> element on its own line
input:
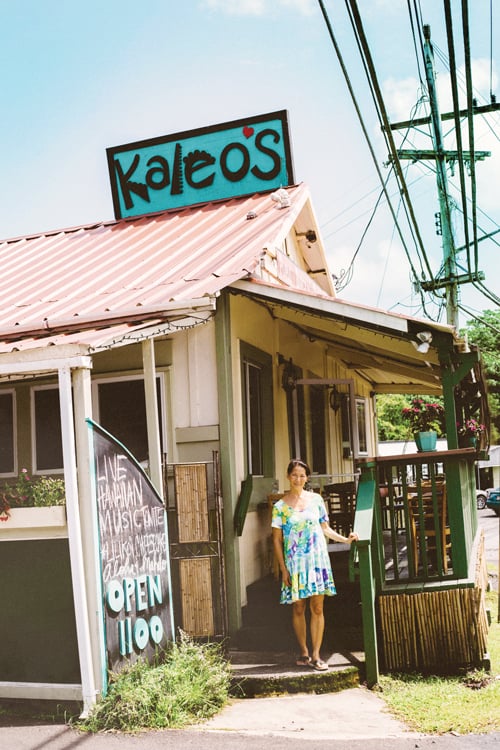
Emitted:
<point x="16" y="501"/>
<point x="425" y="420"/>
<point x="469" y="432"/>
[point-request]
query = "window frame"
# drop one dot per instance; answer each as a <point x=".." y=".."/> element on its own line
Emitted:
<point x="121" y="377"/>
<point x="36" y="470"/>
<point x="15" y="468"/>
<point x="251" y="356"/>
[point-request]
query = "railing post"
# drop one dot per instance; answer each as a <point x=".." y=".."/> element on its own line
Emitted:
<point x="368" y="608"/>
<point x="364" y="524"/>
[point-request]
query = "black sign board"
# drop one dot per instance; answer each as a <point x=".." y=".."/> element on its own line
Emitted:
<point x="135" y="566"/>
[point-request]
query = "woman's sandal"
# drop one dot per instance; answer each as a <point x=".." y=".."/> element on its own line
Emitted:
<point x="303" y="661"/>
<point x="319" y="665"/>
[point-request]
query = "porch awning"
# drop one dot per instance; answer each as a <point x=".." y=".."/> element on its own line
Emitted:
<point x="378" y="346"/>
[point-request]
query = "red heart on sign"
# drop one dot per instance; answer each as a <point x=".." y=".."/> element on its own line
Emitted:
<point x="247" y="131"/>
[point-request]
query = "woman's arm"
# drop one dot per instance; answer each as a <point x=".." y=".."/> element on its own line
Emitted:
<point x="278" y="551"/>
<point x="331" y="534"/>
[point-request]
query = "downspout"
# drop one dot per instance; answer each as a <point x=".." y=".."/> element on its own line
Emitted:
<point x="89" y="691"/>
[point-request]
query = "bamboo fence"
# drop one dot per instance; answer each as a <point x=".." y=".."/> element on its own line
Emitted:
<point x="436" y="631"/>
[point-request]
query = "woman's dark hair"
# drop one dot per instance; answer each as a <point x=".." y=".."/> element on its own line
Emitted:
<point x="297" y="462"/>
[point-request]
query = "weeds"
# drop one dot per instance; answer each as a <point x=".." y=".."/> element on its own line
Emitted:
<point x="190" y="685"/>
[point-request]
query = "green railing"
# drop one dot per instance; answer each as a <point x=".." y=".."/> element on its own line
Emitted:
<point x="405" y="535"/>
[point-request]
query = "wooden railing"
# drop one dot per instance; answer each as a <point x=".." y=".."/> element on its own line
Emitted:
<point x="428" y="519"/>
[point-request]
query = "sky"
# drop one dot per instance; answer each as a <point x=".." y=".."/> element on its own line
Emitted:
<point x="79" y="77"/>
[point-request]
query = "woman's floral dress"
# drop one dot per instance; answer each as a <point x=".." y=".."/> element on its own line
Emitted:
<point x="305" y="549"/>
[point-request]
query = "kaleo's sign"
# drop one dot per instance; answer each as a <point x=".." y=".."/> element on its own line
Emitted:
<point x="134" y="556"/>
<point x="223" y="161"/>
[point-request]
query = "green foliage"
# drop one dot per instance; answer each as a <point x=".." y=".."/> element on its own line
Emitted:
<point x="485" y="334"/>
<point x="28" y="493"/>
<point x="190" y="685"/>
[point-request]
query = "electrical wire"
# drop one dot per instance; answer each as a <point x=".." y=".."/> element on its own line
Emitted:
<point x="361" y="39"/>
<point x="458" y="126"/>
<point x="363" y="125"/>
<point x="470" y="121"/>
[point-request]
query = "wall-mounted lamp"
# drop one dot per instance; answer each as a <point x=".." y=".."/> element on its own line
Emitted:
<point x="289" y="376"/>
<point x="335" y="399"/>
<point x="423" y="341"/>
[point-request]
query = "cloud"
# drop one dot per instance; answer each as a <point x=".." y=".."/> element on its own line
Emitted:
<point x="258" y="7"/>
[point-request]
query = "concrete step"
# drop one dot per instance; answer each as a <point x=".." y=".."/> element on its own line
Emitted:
<point x="260" y="673"/>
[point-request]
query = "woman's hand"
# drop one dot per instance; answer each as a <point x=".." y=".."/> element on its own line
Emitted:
<point x="353" y="537"/>
<point x="286" y="577"/>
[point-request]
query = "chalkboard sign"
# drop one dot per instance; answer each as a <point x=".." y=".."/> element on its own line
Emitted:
<point x="135" y="565"/>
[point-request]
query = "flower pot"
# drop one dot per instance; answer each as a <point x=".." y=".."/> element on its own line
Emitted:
<point x="426" y="441"/>
<point x="467" y="441"/>
<point x="34" y="523"/>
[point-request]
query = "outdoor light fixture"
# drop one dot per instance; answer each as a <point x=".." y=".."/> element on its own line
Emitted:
<point x="289" y="375"/>
<point x="335" y="399"/>
<point x="423" y="341"/>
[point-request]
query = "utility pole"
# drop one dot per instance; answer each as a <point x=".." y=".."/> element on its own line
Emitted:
<point x="442" y="186"/>
<point x="451" y="280"/>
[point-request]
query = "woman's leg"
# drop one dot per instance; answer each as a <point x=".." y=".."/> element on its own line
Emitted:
<point x="317" y="624"/>
<point x="299" y="625"/>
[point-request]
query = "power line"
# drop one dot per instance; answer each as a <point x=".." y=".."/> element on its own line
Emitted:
<point x="362" y="123"/>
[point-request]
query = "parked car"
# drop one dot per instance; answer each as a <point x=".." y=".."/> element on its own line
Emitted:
<point x="493" y="500"/>
<point x="481" y="498"/>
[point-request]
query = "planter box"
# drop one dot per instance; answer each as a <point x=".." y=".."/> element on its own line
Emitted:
<point x="34" y="523"/>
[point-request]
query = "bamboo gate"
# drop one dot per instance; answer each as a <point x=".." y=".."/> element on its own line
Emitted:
<point x="195" y="527"/>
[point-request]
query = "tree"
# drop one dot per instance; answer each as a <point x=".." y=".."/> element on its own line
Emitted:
<point x="485" y="334"/>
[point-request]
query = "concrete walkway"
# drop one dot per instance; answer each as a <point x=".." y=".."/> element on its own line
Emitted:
<point x="351" y="714"/>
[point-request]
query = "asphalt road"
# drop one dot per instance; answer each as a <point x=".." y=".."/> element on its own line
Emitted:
<point x="490" y="523"/>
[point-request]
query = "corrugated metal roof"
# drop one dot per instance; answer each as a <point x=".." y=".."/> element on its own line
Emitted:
<point x="131" y="268"/>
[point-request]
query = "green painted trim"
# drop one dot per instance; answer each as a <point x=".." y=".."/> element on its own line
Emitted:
<point x="223" y="347"/>
<point x="242" y="505"/>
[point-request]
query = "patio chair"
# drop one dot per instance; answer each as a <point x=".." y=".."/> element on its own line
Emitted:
<point x="433" y="526"/>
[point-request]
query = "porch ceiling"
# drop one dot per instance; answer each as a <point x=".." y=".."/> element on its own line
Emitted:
<point x="375" y="345"/>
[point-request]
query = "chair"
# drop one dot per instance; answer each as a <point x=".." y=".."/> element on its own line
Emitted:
<point x="340" y="501"/>
<point x="426" y="527"/>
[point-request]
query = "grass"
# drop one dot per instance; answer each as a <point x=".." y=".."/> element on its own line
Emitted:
<point x="465" y="704"/>
<point x="190" y="685"/>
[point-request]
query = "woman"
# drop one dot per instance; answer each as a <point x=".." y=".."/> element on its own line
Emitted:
<point x="299" y="527"/>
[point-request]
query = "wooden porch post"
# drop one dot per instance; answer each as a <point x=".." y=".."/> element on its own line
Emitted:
<point x="89" y="692"/>
<point x="152" y="419"/>
<point x="82" y="397"/>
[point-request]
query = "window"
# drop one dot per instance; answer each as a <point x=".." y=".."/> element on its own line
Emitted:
<point x="362" y="427"/>
<point x="7" y="432"/>
<point x="354" y="441"/>
<point x="121" y="407"/>
<point x="46" y="432"/>
<point x="318" y="429"/>
<point x="258" y="411"/>
<point x="253" y="397"/>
